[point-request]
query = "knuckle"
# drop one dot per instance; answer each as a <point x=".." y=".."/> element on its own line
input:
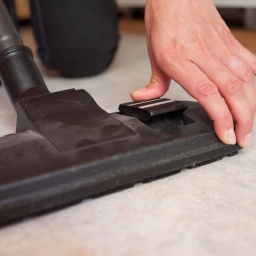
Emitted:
<point x="168" y="56"/>
<point x="235" y="87"/>
<point x="164" y="60"/>
<point x="248" y="76"/>
<point x="226" y="117"/>
<point x="207" y="89"/>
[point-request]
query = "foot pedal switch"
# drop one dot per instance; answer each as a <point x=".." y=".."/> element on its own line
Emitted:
<point x="144" y="110"/>
<point x="159" y="114"/>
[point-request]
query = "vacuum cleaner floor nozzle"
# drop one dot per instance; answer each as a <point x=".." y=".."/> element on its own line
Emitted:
<point x="67" y="149"/>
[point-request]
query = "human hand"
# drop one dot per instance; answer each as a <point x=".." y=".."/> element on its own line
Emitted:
<point x="190" y="43"/>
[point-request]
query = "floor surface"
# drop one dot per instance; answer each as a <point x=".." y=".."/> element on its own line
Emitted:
<point x="209" y="210"/>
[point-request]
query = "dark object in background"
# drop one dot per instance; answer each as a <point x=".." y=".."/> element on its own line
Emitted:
<point x="132" y="13"/>
<point x="67" y="148"/>
<point x="234" y="17"/>
<point x="78" y="38"/>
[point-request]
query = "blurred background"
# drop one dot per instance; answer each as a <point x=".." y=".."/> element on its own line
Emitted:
<point x="234" y="12"/>
<point x="239" y="15"/>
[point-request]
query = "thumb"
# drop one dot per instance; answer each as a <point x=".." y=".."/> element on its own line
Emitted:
<point x="158" y="85"/>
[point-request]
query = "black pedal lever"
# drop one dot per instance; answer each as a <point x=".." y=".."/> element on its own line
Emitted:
<point x="160" y="114"/>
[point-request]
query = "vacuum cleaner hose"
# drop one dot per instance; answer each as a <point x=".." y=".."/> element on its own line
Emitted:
<point x="18" y="72"/>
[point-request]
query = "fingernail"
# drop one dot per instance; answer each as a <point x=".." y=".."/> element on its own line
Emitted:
<point x="139" y="91"/>
<point x="231" y="137"/>
<point x="247" y="141"/>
